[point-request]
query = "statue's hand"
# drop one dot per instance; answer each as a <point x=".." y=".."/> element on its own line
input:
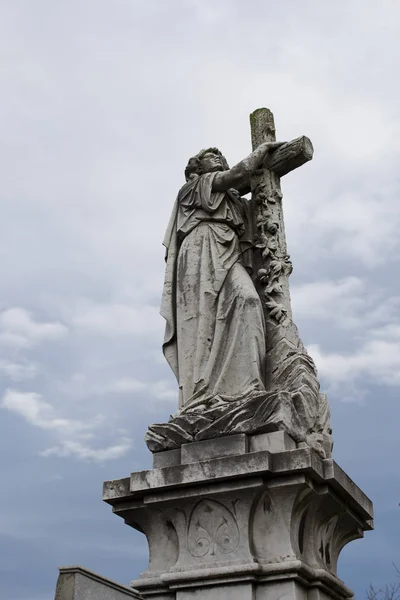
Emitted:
<point x="270" y="146"/>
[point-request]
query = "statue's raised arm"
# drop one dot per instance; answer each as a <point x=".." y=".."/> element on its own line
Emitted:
<point x="239" y="175"/>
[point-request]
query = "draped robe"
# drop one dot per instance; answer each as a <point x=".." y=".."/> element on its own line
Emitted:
<point x="214" y="338"/>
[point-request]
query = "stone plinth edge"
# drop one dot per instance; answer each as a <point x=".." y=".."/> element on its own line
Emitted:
<point x="263" y="463"/>
<point x="77" y="583"/>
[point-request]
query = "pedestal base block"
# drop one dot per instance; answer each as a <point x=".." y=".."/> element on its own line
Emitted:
<point x="248" y="524"/>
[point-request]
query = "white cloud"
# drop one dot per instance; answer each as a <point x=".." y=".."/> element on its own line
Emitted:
<point x="390" y="332"/>
<point x="72" y="433"/>
<point x="127" y="385"/>
<point x="75" y="449"/>
<point x="18" y="371"/>
<point x="369" y="322"/>
<point x="348" y="303"/>
<point x="362" y="223"/>
<point x="155" y="390"/>
<point x="323" y="299"/>
<point x="209" y="12"/>
<point x="19" y="329"/>
<point x="118" y="320"/>
<point x="39" y="413"/>
<point x="164" y="390"/>
<point x="376" y="361"/>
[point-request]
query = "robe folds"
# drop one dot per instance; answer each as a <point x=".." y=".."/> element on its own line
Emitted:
<point x="214" y="337"/>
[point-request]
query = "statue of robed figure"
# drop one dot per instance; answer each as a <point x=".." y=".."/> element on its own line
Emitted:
<point x="220" y="314"/>
<point x="215" y="333"/>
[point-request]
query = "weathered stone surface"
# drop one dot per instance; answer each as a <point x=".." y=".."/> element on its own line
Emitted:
<point x="223" y="446"/>
<point x="257" y="412"/>
<point x="289" y="156"/>
<point x="282" y="589"/>
<point x="167" y="458"/>
<point x="116" y="488"/>
<point x="277" y="441"/>
<point x="241" y="591"/>
<point x="253" y="525"/>
<point x="78" y="583"/>
<point x="199" y="472"/>
<point x="251" y="464"/>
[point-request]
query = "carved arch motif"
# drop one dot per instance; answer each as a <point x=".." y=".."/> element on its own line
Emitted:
<point x="212" y="530"/>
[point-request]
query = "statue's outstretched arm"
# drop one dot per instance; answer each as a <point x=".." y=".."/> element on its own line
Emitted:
<point x="239" y="175"/>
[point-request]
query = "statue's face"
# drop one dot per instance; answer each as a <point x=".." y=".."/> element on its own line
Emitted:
<point x="211" y="162"/>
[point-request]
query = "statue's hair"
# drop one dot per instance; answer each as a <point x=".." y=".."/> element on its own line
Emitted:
<point x="195" y="164"/>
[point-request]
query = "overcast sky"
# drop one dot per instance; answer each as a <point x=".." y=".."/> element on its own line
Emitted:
<point x="101" y="104"/>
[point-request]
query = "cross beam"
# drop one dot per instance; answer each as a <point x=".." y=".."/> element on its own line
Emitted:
<point x="289" y="156"/>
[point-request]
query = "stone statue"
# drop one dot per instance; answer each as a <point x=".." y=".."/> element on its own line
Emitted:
<point x="244" y="500"/>
<point x="215" y="334"/>
<point x="230" y="339"/>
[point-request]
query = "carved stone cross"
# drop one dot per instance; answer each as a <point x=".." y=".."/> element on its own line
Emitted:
<point x="272" y="264"/>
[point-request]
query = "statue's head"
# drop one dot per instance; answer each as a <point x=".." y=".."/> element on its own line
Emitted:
<point x="206" y="161"/>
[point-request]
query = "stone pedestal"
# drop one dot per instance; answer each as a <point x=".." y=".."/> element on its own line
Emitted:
<point x="242" y="517"/>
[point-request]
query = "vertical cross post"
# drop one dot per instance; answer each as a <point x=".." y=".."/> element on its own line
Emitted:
<point x="272" y="263"/>
<point x="266" y="189"/>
